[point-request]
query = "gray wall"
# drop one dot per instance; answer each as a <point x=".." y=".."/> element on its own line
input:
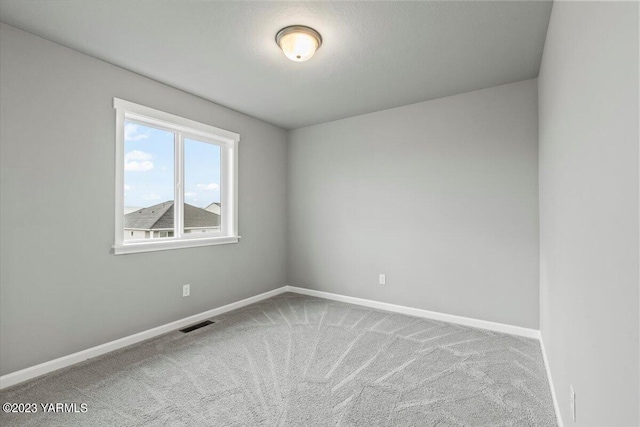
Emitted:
<point x="61" y="290"/>
<point x="442" y="196"/>
<point x="588" y="91"/>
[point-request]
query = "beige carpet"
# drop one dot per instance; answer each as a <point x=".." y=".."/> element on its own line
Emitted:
<point x="294" y="360"/>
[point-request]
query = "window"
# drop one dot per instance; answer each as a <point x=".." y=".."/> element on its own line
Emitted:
<point x="176" y="181"/>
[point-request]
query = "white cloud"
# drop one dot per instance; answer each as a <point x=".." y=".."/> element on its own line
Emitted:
<point x="208" y="187"/>
<point x="127" y="187"/>
<point x="137" y="161"/>
<point x="151" y="196"/>
<point x="191" y="195"/>
<point x="131" y="133"/>
<point x="137" y="155"/>
<point x="136" y="166"/>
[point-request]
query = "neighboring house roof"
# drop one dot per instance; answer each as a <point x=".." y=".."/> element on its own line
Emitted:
<point x="195" y="217"/>
<point x="213" y="207"/>
<point x="129" y="209"/>
<point x="160" y="216"/>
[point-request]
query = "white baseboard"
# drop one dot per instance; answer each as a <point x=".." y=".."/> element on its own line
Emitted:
<point x="65" y="361"/>
<point x="551" y="386"/>
<point x="62" y="362"/>
<point x="418" y="312"/>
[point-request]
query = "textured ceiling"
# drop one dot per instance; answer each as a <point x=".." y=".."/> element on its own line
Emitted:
<point x="375" y="55"/>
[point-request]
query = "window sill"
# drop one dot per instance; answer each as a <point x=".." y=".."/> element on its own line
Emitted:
<point x="137" y="247"/>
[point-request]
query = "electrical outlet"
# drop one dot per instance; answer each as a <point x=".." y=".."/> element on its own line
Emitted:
<point x="186" y="290"/>
<point x="382" y="279"/>
<point x="572" y="401"/>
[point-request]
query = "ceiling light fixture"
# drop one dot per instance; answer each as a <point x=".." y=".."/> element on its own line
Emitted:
<point x="298" y="42"/>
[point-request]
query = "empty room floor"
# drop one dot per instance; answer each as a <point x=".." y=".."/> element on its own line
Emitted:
<point x="295" y="360"/>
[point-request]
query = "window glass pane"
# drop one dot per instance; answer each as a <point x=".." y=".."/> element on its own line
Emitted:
<point x="148" y="182"/>
<point x="201" y="187"/>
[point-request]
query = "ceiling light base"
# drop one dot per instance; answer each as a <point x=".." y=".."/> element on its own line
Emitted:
<point x="298" y="42"/>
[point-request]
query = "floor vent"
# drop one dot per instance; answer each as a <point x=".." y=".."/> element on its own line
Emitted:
<point x="196" y="326"/>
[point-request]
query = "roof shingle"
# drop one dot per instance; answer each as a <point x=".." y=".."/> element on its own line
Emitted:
<point x="161" y="216"/>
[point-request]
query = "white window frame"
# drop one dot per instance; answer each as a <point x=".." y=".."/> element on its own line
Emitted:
<point x="182" y="128"/>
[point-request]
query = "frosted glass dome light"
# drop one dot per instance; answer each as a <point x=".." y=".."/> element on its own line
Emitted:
<point x="298" y="42"/>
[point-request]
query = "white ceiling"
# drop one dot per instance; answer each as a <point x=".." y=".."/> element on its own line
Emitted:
<point x="375" y="55"/>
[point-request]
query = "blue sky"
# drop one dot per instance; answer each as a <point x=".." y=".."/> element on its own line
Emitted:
<point x="149" y="168"/>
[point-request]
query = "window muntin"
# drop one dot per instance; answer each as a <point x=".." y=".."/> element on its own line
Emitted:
<point x="192" y="165"/>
